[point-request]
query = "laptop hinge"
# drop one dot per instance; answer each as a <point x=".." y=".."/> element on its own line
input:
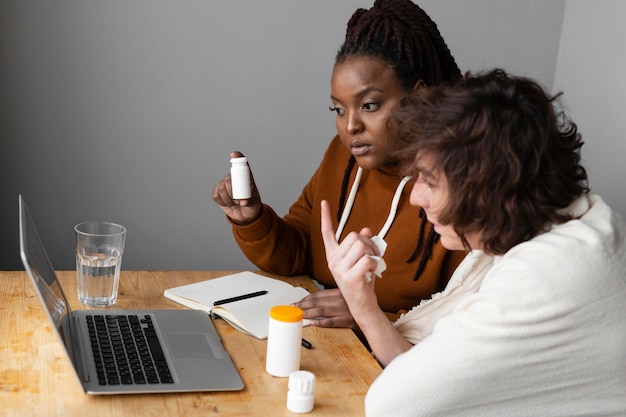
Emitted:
<point x="80" y="358"/>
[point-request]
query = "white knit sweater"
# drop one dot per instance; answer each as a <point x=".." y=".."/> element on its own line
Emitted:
<point x="544" y="334"/>
<point x="418" y="323"/>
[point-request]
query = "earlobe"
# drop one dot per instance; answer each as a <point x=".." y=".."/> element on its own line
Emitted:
<point x="419" y="85"/>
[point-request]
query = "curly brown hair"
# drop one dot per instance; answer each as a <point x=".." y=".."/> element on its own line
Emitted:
<point x="510" y="155"/>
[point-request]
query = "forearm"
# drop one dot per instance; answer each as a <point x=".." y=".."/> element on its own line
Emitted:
<point x="274" y="245"/>
<point x="384" y="340"/>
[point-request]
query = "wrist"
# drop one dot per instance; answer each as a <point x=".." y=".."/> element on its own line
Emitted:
<point x="247" y="222"/>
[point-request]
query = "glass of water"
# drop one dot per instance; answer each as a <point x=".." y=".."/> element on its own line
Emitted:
<point x="99" y="249"/>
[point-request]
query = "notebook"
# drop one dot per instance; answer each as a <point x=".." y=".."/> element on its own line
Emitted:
<point x="243" y="299"/>
<point x="128" y="351"/>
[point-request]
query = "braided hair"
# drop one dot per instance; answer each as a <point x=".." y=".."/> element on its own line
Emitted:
<point x="401" y="34"/>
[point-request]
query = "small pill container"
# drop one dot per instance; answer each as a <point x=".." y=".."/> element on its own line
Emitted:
<point x="300" y="396"/>
<point x="240" y="178"/>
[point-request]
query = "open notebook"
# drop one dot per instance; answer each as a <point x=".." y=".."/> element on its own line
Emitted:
<point x="250" y="315"/>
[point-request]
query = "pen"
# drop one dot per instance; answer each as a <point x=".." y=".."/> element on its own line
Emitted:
<point x="307" y="344"/>
<point x="239" y="298"/>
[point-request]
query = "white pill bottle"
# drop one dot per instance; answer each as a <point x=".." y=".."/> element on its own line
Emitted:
<point x="300" y="395"/>
<point x="284" y="339"/>
<point x="240" y="177"/>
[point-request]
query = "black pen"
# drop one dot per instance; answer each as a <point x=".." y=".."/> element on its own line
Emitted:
<point x="307" y="344"/>
<point x="239" y="298"/>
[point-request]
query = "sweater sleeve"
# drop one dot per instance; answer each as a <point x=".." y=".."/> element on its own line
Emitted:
<point x="281" y="245"/>
<point x="274" y="244"/>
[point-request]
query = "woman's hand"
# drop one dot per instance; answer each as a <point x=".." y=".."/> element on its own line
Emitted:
<point x="326" y="308"/>
<point x="349" y="263"/>
<point x="240" y="211"/>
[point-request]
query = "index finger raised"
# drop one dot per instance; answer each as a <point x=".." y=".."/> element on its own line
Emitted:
<point x="328" y="231"/>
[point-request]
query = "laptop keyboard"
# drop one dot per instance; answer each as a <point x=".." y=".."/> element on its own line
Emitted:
<point x="127" y="350"/>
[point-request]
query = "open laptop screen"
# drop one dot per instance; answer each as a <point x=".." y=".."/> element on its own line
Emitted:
<point x="41" y="272"/>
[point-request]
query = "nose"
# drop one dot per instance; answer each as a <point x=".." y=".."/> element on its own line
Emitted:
<point x="419" y="195"/>
<point x="355" y="124"/>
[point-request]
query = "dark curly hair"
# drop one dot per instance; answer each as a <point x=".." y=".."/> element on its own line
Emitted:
<point x="401" y="34"/>
<point x="510" y="156"/>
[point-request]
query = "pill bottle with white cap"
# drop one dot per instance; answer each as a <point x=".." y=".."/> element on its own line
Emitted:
<point x="284" y="338"/>
<point x="300" y="397"/>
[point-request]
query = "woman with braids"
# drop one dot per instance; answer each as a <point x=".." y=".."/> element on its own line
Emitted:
<point x="389" y="50"/>
<point x="532" y="321"/>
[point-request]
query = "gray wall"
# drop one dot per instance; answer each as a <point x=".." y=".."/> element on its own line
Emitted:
<point x="126" y="110"/>
<point x="590" y="71"/>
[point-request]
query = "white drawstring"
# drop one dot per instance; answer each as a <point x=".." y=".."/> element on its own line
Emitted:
<point x="348" y="208"/>
<point x="394" y="207"/>
<point x="350" y="202"/>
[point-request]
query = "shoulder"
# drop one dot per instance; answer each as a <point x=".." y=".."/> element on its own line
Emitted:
<point x="573" y="262"/>
<point x="333" y="163"/>
<point x="336" y="153"/>
<point x="597" y="225"/>
<point x="589" y="242"/>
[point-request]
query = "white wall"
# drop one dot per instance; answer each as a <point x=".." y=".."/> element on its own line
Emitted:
<point x="591" y="72"/>
<point x="126" y="110"/>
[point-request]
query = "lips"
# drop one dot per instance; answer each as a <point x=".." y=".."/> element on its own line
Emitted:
<point x="359" y="148"/>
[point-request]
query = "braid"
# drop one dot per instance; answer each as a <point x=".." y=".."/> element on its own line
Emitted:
<point x="344" y="186"/>
<point x="433" y="238"/>
<point x="401" y="34"/>
<point x="420" y="237"/>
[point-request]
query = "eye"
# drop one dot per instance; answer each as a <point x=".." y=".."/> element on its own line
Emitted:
<point x="336" y="109"/>
<point x="422" y="180"/>
<point x="370" y="106"/>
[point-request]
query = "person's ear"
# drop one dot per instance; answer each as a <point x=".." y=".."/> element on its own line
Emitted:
<point x="419" y="85"/>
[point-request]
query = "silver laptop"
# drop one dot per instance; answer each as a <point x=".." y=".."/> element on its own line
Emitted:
<point x="129" y="351"/>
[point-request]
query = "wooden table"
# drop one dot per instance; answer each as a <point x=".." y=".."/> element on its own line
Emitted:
<point x="36" y="379"/>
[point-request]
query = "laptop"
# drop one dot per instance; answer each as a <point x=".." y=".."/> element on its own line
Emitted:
<point x="151" y="351"/>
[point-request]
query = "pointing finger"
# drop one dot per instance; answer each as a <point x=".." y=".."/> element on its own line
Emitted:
<point x="328" y="231"/>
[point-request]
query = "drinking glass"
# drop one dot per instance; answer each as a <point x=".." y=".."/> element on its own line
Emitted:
<point x="99" y="249"/>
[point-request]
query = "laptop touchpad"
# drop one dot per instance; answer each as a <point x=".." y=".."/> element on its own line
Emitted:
<point x="190" y="345"/>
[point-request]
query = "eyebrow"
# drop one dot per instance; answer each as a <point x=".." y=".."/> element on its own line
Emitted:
<point x="362" y="92"/>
